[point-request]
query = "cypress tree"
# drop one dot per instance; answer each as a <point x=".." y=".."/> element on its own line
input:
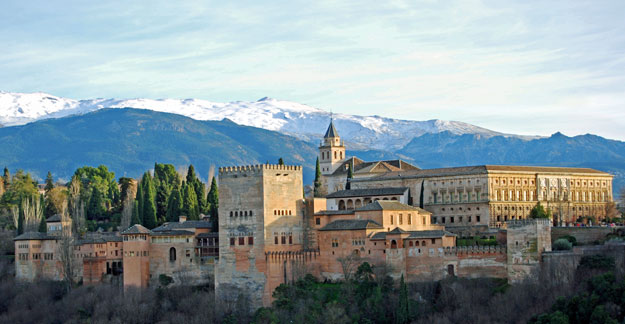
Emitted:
<point x="403" y="309"/>
<point x="174" y="205"/>
<point x="7" y="178"/>
<point x="191" y="174"/>
<point x="95" y="210"/>
<point x="20" y="222"/>
<point x="280" y="161"/>
<point x="189" y="202"/>
<point x="317" y="183"/>
<point x="49" y="183"/>
<point x="135" y="214"/>
<point x="140" y="201"/>
<point x="213" y="200"/>
<point x="43" y="227"/>
<point x="350" y="175"/>
<point x="149" y="204"/>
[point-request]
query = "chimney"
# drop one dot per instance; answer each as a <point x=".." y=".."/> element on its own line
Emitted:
<point x="182" y="219"/>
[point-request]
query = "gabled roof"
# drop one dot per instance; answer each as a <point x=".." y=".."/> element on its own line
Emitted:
<point x="184" y="225"/>
<point x="331" y="132"/>
<point x="361" y="167"/>
<point x="136" y="229"/>
<point x="397" y="230"/>
<point x="351" y="224"/>
<point x="391" y="205"/>
<point x="367" y="192"/>
<point x="54" y="218"/>
<point x="35" y="236"/>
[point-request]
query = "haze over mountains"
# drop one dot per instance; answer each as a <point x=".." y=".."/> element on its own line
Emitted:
<point x="64" y="134"/>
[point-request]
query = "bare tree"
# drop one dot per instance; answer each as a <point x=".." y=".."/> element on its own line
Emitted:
<point x="76" y="206"/>
<point x="349" y="264"/>
<point x="65" y="252"/>
<point x="33" y="212"/>
<point x="611" y="212"/>
<point x="15" y="215"/>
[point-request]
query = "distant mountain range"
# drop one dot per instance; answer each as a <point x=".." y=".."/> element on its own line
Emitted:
<point x="301" y="121"/>
<point x="64" y="134"/>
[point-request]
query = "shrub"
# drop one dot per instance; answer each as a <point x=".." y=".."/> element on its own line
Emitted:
<point x="562" y="244"/>
<point x="570" y="238"/>
<point x="165" y="280"/>
<point x="597" y="262"/>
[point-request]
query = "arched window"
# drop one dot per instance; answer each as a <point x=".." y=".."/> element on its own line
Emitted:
<point x="393" y="244"/>
<point x="236" y="213"/>
<point x="245" y="213"/>
<point x="341" y="205"/>
<point x="335" y="154"/>
<point x="230" y="213"/>
<point x="172" y="254"/>
<point x="341" y="155"/>
<point x="250" y="213"/>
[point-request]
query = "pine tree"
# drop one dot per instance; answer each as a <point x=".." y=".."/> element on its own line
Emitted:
<point x="49" y="183"/>
<point x="191" y="177"/>
<point x="135" y="214"/>
<point x="317" y="183"/>
<point x="539" y="212"/>
<point x="280" y="161"/>
<point x="43" y="226"/>
<point x="350" y="175"/>
<point x="174" y="205"/>
<point x="213" y="200"/>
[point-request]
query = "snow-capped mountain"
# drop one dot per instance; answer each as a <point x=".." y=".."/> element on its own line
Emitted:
<point x="296" y="119"/>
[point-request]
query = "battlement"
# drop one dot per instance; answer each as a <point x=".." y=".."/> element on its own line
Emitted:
<point x="258" y="168"/>
<point x="474" y="250"/>
<point x="303" y="255"/>
<point x="526" y="222"/>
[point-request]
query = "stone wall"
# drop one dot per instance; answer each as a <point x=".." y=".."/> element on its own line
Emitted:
<point x="526" y="241"/>
<point x="583" y="235"/>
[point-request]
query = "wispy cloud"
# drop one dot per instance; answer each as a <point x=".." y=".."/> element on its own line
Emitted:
<point x="532" y="67"/>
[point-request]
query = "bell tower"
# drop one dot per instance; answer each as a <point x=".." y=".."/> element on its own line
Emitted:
<point x="331" y="151"/>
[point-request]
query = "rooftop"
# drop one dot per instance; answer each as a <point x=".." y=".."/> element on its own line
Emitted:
<point x="391" y="205"/>
<point x="367" y="192"/>
<point x="136" y="229"/>
<point x="351" y="224"/>
<point x="54" y="218"/>
<point x="331" y="132"/>
<point x="413" y="234"/>
<point x="184" y="225"/>
<point x="172" y="233"/>
<point x="35" y="236"/>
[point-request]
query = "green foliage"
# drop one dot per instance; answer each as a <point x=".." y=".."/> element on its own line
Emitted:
<point x="6" y="176"/>
<point x="165" y="280"/>
<point x="280" y="161"/>
<point x="539" y="212"/>
<point x="364" y="272"/>
<point x="190" y="206"/>
<point x="562" y="244"/>
<point x="599" y="262"/>
<point x="213" y="201"/>
<point x="165" y="179"/>
<point x="476" y="240"/>
<point x="174" y="205"/>
<point x="135" y="214"/>
<point x="49" y="182"/>
<point x="95" y="208"/>
<point x="317" y="182"/>
<point x="149" y="203"/>
<point x="571" y="239"/>
<point x="43" y="227"/>
<point x="22" y="186"/>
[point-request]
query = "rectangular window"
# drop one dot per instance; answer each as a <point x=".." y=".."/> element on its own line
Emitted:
<point x="451" y="219"/>
<point x="241" y="240"/>
<point x="443" y="220"/>
<point x="460" y="219"/>
<point x="409" y="219"/>
<point x="283" y="240"/>
<point x="477" y="218"/>
<point x="424" y="220"/>
<point x="469" y="219"/>
<point x="391" y="219"/>
<point x="290" y="239"/>
<point x="275" y="240"/>
<point x="318" y="221"/>
<point x="401" y="221"/>
<point x="231" y="241"/>
<point x="433" y="241"/>
<point x="250" y="240"/>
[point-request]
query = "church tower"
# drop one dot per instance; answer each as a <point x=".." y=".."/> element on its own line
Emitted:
<point x="331" y="151"/>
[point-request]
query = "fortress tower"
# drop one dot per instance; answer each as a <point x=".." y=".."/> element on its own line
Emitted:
<point x="331" y="151"/>
<point x="261" y="211"/>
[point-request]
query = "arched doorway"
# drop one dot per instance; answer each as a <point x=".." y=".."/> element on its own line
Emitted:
<point x="393" y="244"/>
<point x="341" y="205"/>
<point x="172" y="254"/>
<point x="350" y="204"/>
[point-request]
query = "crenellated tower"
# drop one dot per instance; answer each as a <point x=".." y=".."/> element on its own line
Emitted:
<point x="331" y="151"/>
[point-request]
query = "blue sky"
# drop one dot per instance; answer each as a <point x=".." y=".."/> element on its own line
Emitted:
<point x="526" y="67"/>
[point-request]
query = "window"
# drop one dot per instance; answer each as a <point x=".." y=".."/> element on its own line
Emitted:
<point x="283" y="239"/>
<point x="318" y="221"/>
<point x="335" y="242"/>
<point x="409" y="219"/>
<point x="401" y="221"/>
<point x="172" y="254"/>
<point x="231" y="241"/>
<point x="290" y="239"/>
<point x="443" y="220"/>
<point x="391" y="219"/>
<point x="477" y="218"/>
<point x="241" y="240"/>
<point x="424" y="221"/>
<point x="433" y="241"/>
<point x="451" y="219"/>
<point x="250" y="240"/>
<point x="275" y="240"/>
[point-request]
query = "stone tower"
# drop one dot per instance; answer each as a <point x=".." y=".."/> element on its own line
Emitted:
<point x="260" y="212"/>
<point x="136" y="247"/>
<point x="526" y="241"/>
<point x="331" y="151"/>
